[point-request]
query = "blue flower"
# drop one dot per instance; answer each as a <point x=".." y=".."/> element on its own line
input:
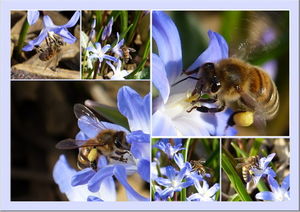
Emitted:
<point x="277" y="193"/>
<point x="170" y="150"/>
<point x="204" y="192"/>
<point x="32" y="16"/>
<point x="263" y="168"/>
<point x="137" y="111"/>
<point x="169" y="108"/>
<point x="49" y="26"/>
<point x="174" y="182"/>
<point x="107" y="29"/>
<point x="118" y="73"/>
<point x="117" y="50"/>
<point x="99" y="52"/>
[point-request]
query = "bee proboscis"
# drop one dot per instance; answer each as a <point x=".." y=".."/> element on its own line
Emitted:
<point x="107" y="142"/>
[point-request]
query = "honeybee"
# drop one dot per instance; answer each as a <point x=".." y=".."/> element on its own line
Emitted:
<point x="107" y="142"/>
<point x="198" y="166"/>
<point x="233" y="83"/>
<point x="51" y="49"/>
<point x="126" y="53"/>
<point x="247" y="165"/>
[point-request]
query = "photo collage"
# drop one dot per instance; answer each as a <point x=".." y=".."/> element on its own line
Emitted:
<point x="150" y="105"/>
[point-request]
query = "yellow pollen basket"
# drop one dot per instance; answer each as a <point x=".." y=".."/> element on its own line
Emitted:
<point x="93" y="155"/>
<point x="244" y="119"/>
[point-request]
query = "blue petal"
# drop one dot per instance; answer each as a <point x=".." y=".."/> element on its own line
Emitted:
<point x="32" y="16"/>
<point x="48" y="22"/>
<point x="62" y="174"/>
<point x="105" y="48"/>
<point x="73" y="20"/>
<point x="181" y="174"/>
<point x="265" y="195"/>
<point x="163" y="181"/>
<point x="81" y="136"/>
<point x="120" y="174"/>
<point x="217" y="50"/>
<point x="186" y="184"/>
<point x="114" y="127"/>
<point x="167" y="192"/>
<point x="170" y="172"/>
<point x="178" y="158"/>
<point x="108" y="57"/>
<point x="35" y="42"/>
<point x="94" y="199"/>
<point x="82" y="177"/>
<point x="66" y="35"/>
<point x="168" y="43"/>
<point x="211" y="192"/>
<point x="144" y="170"/>
<point x="97" y="179"/>
<point x="135" y="108"/>
<point x="140" y="144"/>
<point x="160" y="79"/>
<point x="162" y="125"/>
<point x="273" y="184"/>
<point x="264" y="162"/>
<point x="286" y="183"/>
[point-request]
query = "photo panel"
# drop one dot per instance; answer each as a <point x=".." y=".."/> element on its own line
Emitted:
<point x="185" y="169"/>
<point x="255" y="169"/>
<point x="80" y="141"/>
<point x="115" y="44"/>
<point x="45" y="44"/>
<point x="221" y="73"/>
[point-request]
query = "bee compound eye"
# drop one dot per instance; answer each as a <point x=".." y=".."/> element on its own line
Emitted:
<point x="209" y="66"/>
<point x="215" y="87"/>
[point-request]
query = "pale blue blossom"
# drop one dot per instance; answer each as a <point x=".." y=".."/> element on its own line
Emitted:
<point x="49" y="26"/>
<point x="277" y="193"/>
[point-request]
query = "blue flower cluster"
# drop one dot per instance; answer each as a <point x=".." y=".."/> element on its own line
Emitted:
<point x="90" y="185"/>
<point x="100" y="51"/>
<point x="173" y="178"/>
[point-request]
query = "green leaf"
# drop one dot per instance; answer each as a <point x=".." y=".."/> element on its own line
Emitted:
<point x="134" y="25"/>
<point x="256" y="146"/>
<point x="124" y="20"/>
<point x="110" y="113"/>
<point x="238" y="150"/>
<point x="138" y="69"/>
<point x="234" y="178"/>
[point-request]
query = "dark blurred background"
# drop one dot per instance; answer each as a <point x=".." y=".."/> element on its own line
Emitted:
<point x="42" y="115"/>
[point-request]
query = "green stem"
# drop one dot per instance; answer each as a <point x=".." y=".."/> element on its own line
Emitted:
<point x="185" y="157"/>
<point x="22" y="36"/>
<point x="132" y="30"/>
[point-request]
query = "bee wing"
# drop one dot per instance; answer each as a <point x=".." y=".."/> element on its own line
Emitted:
<point x="70" y="143"/>
<point x="239" y="165"/>
<point x="88" y="122"/>
<point x="131" y="49"/>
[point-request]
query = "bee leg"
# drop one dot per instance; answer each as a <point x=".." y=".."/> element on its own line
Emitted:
<point x="205" y="109"/>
